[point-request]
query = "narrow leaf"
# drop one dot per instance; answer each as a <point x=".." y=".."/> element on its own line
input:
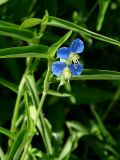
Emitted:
<point x="30" y="123"/>
<point x="9" y="85"/>
<point x="8" y="24"/>
<point x="52" y="50"/>
<point x="30" y="81"/>
<point x="30" y="22"/>
<point x="7" y="133"/>
<point x="94" y="74"/>
<point x="16" y="32"/>
<point x="57" y="22"/>
<point x="75" y="125"/>
<point x="103" y="130"/>
<point x="25" y="51"/>
<point x="43" y="127"/>
<point x="103" y="5"/>
<point x="58" y="94"/>
<point x="18" y="145"/>
<point x="68" y="146"/>
<point x="2" y="156"/>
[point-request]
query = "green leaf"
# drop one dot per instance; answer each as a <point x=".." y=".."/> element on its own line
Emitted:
<point x="58" y="94"/>
<point x="94" y="74"/>
<point x="30" y="81"/>
<point x="48" y="129"/>
<point x="30" y="22"/>
<point x="25" y="51"/>
<point x="13" y="87"/>
<point x="52" y="50"/>
<point x="16" y="32"/>
<point x="103" y="130"/>
<point x="40" y="154"/>
<point x="103" y="5"/>
<point x="7" y="133"/>
<point x="69" y="146"/>
<point x="3" y="1"/>
<point x="18" y="145"/>
<point x="41" y="123"/>
<point x="43" y="24"/>
<point x="57" y="22"/>
<point x="2" y="156"/>
<point x="8" y="24"/>
<point x="78" y="127"/>
<point x="30" y="122"/>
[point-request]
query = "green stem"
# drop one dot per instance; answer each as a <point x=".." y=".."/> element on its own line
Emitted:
<point x="16" y="110"/>
<point x="40" y="106"/>
<point x="46" y="138"/>
<point x="19" y="95"/>
<point x="24" y="155"/>
<point x="45" y="90"/>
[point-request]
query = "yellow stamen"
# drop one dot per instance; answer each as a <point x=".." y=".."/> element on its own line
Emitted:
<point x="74" y="57"/>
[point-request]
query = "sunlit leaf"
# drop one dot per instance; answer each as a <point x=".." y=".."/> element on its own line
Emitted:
<point x="52" y="50"/>
<point x="30" y="22"/>
<point x="3" y="1"/>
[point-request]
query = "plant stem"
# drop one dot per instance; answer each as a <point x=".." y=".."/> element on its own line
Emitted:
<point x="46" y="138"/>
<point x="19" y="95"/>
<point x="16" y="110"/>
<point x="45" y="90"/>
<point x="24" y="155"/>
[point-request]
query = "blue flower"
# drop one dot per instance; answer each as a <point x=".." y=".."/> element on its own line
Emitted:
<point x="71" y="53"/>
<point x="62" y="69"/>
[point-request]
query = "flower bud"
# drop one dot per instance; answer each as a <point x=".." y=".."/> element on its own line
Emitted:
<point x="67" y="73"/>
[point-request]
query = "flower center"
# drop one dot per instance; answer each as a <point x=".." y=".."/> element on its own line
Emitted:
<point x="67" y="73"/>
<point x="74" y="57"/>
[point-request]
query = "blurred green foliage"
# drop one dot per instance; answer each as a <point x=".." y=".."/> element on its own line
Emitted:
<point x="84" y="117"/>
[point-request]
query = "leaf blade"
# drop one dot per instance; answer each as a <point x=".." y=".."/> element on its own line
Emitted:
<point x="31" y="22"/>
<point x="7" y="133"/>
<point x="103" y="5"/>
<point x="94" y="74"/>
<point x="25" y="51"/>
<point x="9" y="85"/>
<point x="57" y="22"/>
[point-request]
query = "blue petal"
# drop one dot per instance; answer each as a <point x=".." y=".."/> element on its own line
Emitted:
<point x="76" y="69"/>
<point x="57" y="68"/>
<point x="77" y="46"/>
<point x="63" y="53"/>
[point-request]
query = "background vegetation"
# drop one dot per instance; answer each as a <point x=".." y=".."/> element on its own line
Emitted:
<point x="82" y="120"/>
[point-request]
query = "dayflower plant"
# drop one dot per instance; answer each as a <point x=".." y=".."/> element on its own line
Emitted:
<point x="69" y="60"/>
